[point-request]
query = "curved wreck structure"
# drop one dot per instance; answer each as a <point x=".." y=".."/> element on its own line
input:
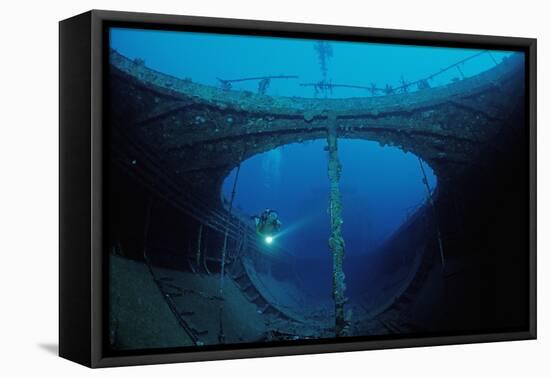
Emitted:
<point x="174" y="141"/>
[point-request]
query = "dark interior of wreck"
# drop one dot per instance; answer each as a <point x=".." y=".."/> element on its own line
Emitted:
<point x="165" y="175"/>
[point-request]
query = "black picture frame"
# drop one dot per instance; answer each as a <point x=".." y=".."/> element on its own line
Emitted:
<point x="82" y="58"/>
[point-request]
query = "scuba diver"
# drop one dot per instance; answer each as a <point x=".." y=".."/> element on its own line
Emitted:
<point x="267" y="224"/>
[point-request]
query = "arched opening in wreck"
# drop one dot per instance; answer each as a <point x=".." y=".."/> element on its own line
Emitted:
<point x="169" y="232"/>
<point x="382" y="189"/>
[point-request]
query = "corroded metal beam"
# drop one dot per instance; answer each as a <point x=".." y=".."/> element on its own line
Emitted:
<point x="336" y="240"/>
<point x="199" y="133"/>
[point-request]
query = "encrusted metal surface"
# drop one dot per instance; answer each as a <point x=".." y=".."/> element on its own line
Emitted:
<point x="199" y="133"/>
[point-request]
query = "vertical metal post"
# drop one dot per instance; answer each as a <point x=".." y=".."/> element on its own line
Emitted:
<point x="461" y="73"/>
<point x="205" y="254"/>
<point x="493" y="58"/>
<point x="228" y="220"/>
<point x="336" y="241"/>
<point x="221" y="335"/>
<point x="198" y="257"/>
<point x="432" y="205"/>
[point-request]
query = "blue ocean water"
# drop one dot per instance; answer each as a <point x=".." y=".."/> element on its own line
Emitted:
<point x="206" y="57"/>
<point x="381" y="186"/>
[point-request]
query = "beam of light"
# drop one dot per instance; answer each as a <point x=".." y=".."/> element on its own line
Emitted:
<point x="279" y="248"/>
<point x="295" y="226"/>
<point x="292" y="228"/>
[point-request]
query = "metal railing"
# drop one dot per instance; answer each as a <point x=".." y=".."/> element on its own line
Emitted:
<point x="326" y="86"/>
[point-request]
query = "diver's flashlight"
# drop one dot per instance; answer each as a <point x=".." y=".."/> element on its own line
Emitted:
<point x="269" y="239"/>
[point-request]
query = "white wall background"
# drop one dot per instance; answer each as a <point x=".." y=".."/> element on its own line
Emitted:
<point x="29" y="189"/>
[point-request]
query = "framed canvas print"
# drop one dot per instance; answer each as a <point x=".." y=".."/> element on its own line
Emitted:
<point x="233" y="188"/>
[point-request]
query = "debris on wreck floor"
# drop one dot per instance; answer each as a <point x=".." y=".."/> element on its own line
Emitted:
<point x="141" y="317"/>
